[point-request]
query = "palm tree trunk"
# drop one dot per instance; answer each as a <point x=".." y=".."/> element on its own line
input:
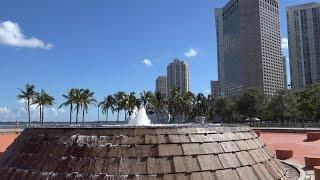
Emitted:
<point x="98" y="115"/>
<point x="82" y="115"/>
<point x="125" y="116"/>
<point x="29" y="111"/>
<point x="42" y="114"/>
<point x="77" y="115"/>
<point x="71" y="113"/>
<point x="158" y="118"/>
<point x="107" y="116"/>
<point x="118" y="116"/>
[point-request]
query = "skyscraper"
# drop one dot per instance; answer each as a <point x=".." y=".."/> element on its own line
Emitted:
<point x="177" y="76"/>
<point x="220" y="52"/>
<point x="304" y="44"/>
<point x="249" y="46"/>
<point x="214" y="89"/>
<point x="285" y="78"/>
<point x="161" y="85"/>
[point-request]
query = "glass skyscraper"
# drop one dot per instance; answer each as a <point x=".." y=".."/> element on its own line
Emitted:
<point x="304" y="44"/>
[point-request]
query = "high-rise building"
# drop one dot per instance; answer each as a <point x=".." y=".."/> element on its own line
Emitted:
<point x="177" y="76"/>
<point x="249" y="47"/>
<point x="214" y="89"/>
<point x="285" y="80"/>
<point x="161" y="85"/>
<point x="304" y="44"/>
<point x="220" y="53"/>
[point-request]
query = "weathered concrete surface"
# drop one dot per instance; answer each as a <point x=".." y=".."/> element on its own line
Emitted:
<point x="170" y="152"/>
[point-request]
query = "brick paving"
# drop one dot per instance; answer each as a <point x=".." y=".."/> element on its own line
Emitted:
<point x="295" y="141"/>
<point x="5" y="140"/>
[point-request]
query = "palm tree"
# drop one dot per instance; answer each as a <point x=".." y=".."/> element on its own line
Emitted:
<point x="98" y="106"/>
<point x="43" y="99"/>
<point x="202" y="102"/>
<point x="37" y="99"/>
<point x="86" y="98"/>
<point x="27" y="94"/>
<point x="173" y="103"/>
<point x="118" y="104"/>
<point x="124" y="105"/>
<point x="47" y="102"/>
<point x="70" y="100"/>
<point x="107" y="103"/>
<point x="201" y="106"/>
<point x="145" y="98"/>
<point x="130" y="104"/>
<point x="158" y="104"/>
<point x="186" y="105"/>
<point x="210" y="107"/>
<point x="77" y="99"/>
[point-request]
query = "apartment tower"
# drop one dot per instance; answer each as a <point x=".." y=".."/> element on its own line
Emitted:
<point x="304" y="44"/>
<point x="177" y="76"/>
<point x="161" y="85"/>
<point x="249" y="47"/>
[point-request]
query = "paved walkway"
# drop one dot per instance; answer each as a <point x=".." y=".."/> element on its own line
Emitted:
<point x="284" y="129"/>
<point x="6" y="131"/>
<point x="294" y="141"/>
<point x="6" y="140"/>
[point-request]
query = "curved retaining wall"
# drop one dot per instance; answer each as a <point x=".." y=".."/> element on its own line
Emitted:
<point x="176" y="152"/>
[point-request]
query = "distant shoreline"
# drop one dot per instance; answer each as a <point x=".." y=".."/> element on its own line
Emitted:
<point x="10" y="131"/>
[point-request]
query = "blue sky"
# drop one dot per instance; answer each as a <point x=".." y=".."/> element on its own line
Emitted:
<point x="102" y="45"/>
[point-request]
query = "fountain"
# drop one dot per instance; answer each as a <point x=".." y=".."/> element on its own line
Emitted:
<point x="140" y="150"/>
<point x="139" y="117"/>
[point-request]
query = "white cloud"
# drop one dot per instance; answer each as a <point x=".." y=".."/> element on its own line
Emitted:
<point x="5" y="113"/>
<point x="147" y="62"/>
<point x="191" y="53"/>
<point x="11" y="35"/>
<point x="21" y="114"/>
<point x="284" y="43"/>
<point x="4" y="110"/>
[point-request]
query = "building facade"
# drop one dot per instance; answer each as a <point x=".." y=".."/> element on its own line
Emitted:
<point x="304" y="44"/>
<point x="177" y="76"/>
<point x="285" y="77"/>
<point x="161" y="85"/>
<point x="215" y="89"/>
<point x="250" y="54"/>
<point x="220" y="52"/>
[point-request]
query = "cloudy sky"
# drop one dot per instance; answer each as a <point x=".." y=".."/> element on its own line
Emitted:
<point x="106" y="46"/>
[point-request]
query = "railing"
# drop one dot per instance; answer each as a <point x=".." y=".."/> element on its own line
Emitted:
<point x="307" y="125"/>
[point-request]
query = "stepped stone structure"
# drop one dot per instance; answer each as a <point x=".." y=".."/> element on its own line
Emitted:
<point x="159" y="152"/>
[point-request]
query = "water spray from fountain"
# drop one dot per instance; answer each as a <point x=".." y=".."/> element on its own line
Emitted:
<point x="139" y="116"/>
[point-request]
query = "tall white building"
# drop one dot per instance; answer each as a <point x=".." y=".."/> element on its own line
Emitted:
<point x="249" y="47"/>
<point x="177" y="76"/>
<point x="161" y="85"/>
<point x="304" y="44"/>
